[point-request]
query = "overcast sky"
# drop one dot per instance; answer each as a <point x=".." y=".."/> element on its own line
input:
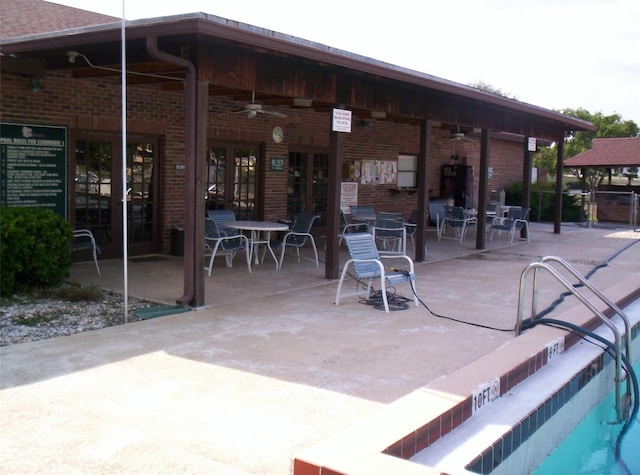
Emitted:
<point x="551" y="53"/>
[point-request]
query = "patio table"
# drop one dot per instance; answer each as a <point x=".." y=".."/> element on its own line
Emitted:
<point x="259" y="234"/>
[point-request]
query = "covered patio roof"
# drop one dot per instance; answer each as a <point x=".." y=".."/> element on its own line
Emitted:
<point x="240" y="60"/>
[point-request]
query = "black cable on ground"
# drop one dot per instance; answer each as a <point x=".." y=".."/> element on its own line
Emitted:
<point x="473" y="324"/>
<point x="628" y="368"/>
<point x="397" y="302"/>
<point x="394" y="301"/>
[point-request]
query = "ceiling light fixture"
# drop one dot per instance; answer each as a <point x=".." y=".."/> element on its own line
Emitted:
<point x="72" y="55"/>
<point x="301" y="102"/>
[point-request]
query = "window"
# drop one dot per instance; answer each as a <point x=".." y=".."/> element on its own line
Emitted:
<point x="407" y="171"/>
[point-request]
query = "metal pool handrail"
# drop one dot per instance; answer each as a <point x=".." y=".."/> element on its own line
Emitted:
<point x="535" y="267"/>
<point x="584" y="281"/>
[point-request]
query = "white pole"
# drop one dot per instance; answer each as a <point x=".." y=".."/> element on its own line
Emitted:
<point x="125" y="234"/>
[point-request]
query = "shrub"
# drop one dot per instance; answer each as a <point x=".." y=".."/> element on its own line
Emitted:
<point x="76" y="293"/>
<point x="543" y="202"/>
<point x="34" y="249"/>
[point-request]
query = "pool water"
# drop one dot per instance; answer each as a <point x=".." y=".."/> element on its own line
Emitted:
<point x="589" y="449"/>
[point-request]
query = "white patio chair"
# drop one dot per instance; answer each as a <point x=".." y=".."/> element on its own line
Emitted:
<point x="515" y="220"/>
<point x="297" y="237"/>
<point x="82" y="240"/>
<point x="218" y="242"/>
<point x="390" y="231"/>
<point x="456" y="219"/>
<point x="349" y="227"/>
<point x="367" y="265"/>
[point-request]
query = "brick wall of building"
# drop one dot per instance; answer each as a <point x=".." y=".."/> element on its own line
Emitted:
<point x="93" y="105"/>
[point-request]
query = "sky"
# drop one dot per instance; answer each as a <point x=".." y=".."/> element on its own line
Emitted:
<point x="554" y="54"/>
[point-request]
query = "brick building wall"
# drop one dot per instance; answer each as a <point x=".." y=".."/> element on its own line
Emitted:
<point x="93" y="106"/>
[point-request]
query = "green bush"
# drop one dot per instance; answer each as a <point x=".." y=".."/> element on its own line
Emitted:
<point x="543" y="202"/>
<point x="34" y="249"/>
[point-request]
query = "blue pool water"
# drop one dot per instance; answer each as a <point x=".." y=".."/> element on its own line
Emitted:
<point x="589" y="449"/>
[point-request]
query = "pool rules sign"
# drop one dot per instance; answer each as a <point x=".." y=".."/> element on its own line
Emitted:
<point x="33" y="166"/>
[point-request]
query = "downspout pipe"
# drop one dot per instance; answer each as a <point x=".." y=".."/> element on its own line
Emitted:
<point x="190" y="165"/>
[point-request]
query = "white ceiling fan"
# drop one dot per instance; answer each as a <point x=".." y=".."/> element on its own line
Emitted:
<point x="253" y="109"/>
<point x="457" y="136"/>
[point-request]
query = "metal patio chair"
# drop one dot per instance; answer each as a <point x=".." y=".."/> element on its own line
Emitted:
<point x="362" y="214"/>
<point x="349" y="227"/>
<point x="218" y="242"/>
<point x="82" y="240"/>
<point x="456" y="219"/>
<point x="436" y="214"/>
<point x="390" y="231"/>
<point x="297" y="237"/>
<point x="367" y="265"/>
<point x="221" y="216"/>
<point x="516" y="220"/>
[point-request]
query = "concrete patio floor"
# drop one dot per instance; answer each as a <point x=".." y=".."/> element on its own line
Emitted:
<point x="269" y="366"/>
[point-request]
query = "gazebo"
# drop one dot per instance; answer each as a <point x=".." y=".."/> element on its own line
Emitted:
<point x="614" y="202"/>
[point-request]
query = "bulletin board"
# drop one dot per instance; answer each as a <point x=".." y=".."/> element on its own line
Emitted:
<point x="379" y="172"/>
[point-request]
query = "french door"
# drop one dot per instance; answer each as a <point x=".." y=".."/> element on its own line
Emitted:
<point x="308" y="184"/>
<point x="96" y="194"/>
<point x="232" y="174"/>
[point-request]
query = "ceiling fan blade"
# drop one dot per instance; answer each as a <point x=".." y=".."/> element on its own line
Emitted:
<point x="273" y="113"/>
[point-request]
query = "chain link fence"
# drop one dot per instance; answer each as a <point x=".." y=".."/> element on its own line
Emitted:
<point x="610" y="207"/>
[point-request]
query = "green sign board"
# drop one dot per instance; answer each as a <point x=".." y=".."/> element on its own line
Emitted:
<point x="277" y="164"/>
<point x="33" y="166"/>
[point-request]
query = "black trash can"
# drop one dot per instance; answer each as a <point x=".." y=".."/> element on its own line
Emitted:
<point x="177" y="241"/>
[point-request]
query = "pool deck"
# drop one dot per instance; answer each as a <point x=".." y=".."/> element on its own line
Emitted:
<point x="270" y="370"/>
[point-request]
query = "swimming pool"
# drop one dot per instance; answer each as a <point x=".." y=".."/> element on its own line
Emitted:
<point x="589" y="449"/>
<point x="521" y="429"/>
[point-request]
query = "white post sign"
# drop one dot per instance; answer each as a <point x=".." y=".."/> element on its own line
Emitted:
<point x="341" y="121"/>
<point x="348" y="195"/>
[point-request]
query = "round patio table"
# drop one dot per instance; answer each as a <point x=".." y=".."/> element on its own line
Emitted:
<point x="259" y="234"/>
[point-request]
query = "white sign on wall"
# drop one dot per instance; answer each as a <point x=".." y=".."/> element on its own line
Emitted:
<point x="348" y="195"/>
<point x="341" y="121"/>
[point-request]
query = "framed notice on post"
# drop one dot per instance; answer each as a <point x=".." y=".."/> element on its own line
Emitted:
<point x="348" y="195"/>
<point x="33" y="166"/>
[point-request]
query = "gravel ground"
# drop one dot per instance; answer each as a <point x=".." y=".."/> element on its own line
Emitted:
<point x="24" y="319"/>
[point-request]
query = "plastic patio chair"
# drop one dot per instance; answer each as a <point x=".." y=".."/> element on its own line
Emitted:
<point x="456" y="219"/>
<point x="218" y="242"/>
<point x="367" y="265"/>
<point x="297" y="237"/>
<point x="83" y="239"/>
<point x="515" y="220"/>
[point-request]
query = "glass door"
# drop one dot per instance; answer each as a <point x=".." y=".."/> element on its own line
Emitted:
<point x="232" y="179"/>
<point x="140" y="198"/>
<point x="96" y="194"/>
<point x="308" y="184"/>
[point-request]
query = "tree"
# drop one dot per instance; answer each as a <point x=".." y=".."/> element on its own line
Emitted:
<point x="577" y="142"/>
<point x="483" y="86"/>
